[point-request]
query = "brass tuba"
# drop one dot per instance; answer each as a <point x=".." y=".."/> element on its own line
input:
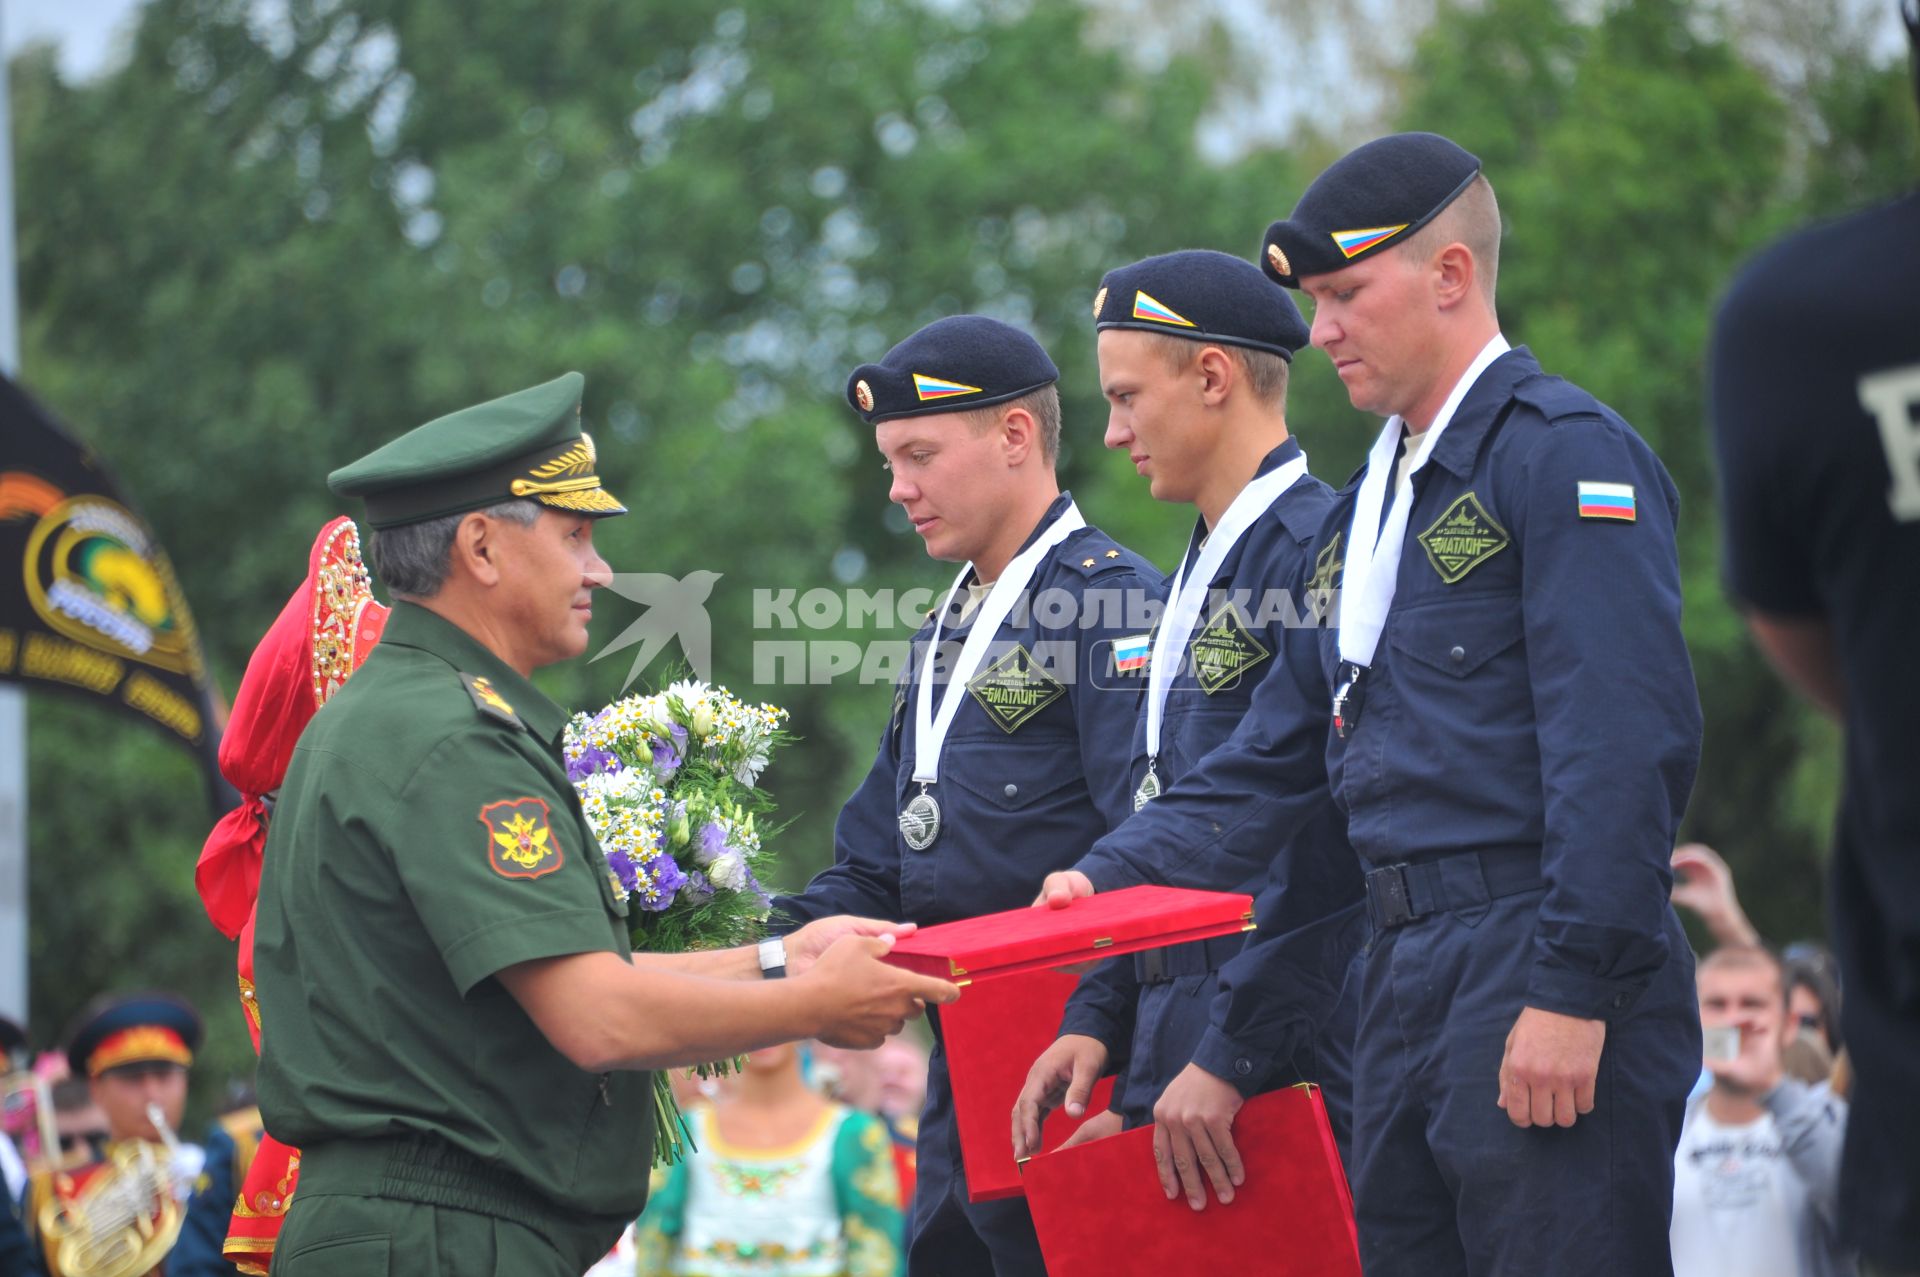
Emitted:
<point x="126" y="1219"/>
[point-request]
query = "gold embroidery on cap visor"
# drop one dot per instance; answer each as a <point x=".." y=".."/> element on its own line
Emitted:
<point x="1279" y="260"/>
<point x="568" y="482"/>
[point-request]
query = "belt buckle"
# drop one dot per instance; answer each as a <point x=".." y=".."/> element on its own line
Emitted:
<point x="1388" y="900"/>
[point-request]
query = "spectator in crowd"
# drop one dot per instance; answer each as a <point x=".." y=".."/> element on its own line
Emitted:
<point x="782" y="1183"/>
<point x="1757" y="1174"/>
<point x="1703" y="884"/>
<point x="1813" y="992"/>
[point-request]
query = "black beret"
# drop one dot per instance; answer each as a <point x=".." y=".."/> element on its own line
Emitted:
<point x="1373" y="197"/>
<point x="951" y="365"/>
<point x="1201" y="295"/>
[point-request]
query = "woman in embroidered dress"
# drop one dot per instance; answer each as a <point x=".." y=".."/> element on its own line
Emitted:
<point x="785" y="1184"/>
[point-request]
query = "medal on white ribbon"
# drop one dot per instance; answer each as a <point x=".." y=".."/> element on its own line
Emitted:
<point x="1189" y="594"/>
<point x="920" y="819"/>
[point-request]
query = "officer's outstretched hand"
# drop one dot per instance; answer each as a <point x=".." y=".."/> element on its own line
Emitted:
<point x="1063" y="888"/>
<point x="805" y="946"/>
<point x="863" y="1001"/>
<point x="1064" y="1074"/>
<point x="1193" y="1133"/>
<point x="1547" y="1076"/>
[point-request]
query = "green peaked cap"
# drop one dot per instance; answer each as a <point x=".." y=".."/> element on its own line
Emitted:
<point x="526" y="444"/>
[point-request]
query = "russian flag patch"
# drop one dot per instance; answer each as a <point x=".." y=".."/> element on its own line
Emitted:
<point x="1131" y="653"/>
<point x="1607" y="501"/>
<point x="1146" y="306"/>
<point x="940" y="388"/>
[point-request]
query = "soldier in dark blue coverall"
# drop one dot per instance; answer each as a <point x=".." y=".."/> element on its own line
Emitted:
<point x="1010" y="759"/>
<point x="1515" y="733"/>
<point x="1816" y="415"/>
<point x="1209" y="426"/>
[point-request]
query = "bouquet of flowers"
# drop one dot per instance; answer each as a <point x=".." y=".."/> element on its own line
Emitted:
<point x="669" y="783"/>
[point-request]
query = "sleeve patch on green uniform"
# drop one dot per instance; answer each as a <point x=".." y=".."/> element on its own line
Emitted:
<point x="490" y="702"/>
<point x="520" y="841"/>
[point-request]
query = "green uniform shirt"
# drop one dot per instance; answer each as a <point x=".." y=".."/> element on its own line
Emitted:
<point x="425" y="838"/>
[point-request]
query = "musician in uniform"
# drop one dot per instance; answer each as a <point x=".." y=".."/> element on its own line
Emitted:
<point x="121" y="1212"/>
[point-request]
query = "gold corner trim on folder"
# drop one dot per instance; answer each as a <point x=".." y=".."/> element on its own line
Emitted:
<point x="1105" y="942"/>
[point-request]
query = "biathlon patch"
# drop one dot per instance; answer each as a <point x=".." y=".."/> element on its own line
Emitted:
<point x="1327" y="566"/>
<point x="1607" y="501"/>
<point x="1224" y="649"/>
<point x="1015" y="688"/>
<point x="1462" y="539"/>
<point x="520" y="840"/>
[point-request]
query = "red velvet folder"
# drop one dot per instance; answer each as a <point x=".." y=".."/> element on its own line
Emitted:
<point x="1099" y="1208"/>
<point x="993" y="1035"/>
<point x="1100" y="926"/>
<point x="1011" y="1010"/>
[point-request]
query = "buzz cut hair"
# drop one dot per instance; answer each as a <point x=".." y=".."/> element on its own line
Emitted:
<point x="1266" y="373"/>
<point x="1472" y="219"/>
<point x="1043" y="405"/>
<point x="1736" y="956"/>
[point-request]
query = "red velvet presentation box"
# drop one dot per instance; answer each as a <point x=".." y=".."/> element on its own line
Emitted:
<point x="1127" y="921"/>
<point x="994" y="1033"/>
<point x="1011" y="1010"/>
<point x="1099" y="1208"/>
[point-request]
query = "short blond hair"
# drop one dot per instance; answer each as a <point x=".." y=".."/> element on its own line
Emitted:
<point x="1473" y="219"/>
<point x="1043" y="405"/>
<point x="1266" y="372"/>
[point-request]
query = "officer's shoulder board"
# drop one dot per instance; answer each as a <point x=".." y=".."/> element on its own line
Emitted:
<point x="1094" y="554"/>
<point x="489" y="702"/>
<point x="1557" y="399"/>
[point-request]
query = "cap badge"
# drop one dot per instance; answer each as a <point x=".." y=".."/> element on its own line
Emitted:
<point x="863" y="395"/>
<point x="1146" y="307"/>
<point x="931" y="388"/>
<point x="1354" y="243"/>
<point x="1099" y="301"/>
<point x="1278" y="260"/>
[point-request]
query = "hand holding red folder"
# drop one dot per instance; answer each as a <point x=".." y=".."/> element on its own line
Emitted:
<point x="1099" y="1209"/>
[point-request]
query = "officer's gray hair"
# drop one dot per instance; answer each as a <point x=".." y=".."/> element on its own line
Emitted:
<point x="413" y="560"/>
<point x="1043" y="405"/>
<point x="1266" y="372"/>
<point x="1474" y="220"/>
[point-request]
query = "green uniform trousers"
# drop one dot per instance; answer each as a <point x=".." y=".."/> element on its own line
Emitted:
<point x="394" y="1208"/>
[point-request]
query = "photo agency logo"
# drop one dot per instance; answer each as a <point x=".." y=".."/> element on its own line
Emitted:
<point x="822" y="636"/>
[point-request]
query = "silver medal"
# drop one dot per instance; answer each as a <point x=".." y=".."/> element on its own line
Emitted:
<point x="920" y="820"/>
<point x="1148" y="791"/>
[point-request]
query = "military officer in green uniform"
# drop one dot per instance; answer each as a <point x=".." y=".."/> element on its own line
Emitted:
<point x="458" y="1032"/>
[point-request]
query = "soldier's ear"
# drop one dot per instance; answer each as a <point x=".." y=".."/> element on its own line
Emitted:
<point x="475" y="551"/>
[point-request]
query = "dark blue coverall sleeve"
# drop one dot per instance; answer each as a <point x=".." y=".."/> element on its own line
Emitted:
<point x="1617" y="715"/>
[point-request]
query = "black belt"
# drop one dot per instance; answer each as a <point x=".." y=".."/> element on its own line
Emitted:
<point x="1404" y="893"/>
<point x="1197" y="957"/>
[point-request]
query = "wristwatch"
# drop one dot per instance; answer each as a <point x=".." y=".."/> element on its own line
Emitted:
<point x="773" y="958"/>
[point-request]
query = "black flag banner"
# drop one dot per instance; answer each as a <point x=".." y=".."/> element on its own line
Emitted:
<point x="88" y="600"/>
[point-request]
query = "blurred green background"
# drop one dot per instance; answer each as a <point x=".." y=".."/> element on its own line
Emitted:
<point x="272" y="236"/>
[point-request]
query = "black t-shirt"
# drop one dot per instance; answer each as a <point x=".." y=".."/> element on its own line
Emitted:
<point x="1816" y="416"/>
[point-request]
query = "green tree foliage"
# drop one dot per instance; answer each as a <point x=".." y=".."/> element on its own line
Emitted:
<point x="261" y="247"/>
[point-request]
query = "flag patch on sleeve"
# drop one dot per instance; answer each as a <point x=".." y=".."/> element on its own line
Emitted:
<point x="1607" y="501"/>
<point x="1131" y="653"/>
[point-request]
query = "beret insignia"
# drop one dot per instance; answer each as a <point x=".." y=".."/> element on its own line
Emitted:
<point x="929" y="388"/>
<point x="1354" y="243"/>
<point x="1099" y="301"/>
<point x="863" y="395"/>
<point x="1279" y="260"/>
<point x="1146" y="307"/>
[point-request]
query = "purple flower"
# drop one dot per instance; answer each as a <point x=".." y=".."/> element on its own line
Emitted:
<point x="711" y="845"/>
<point x="667" y="880"/>
<point x="698" y="886"/>
<point x="590" y="760"/>
<point x="666" y="760"/>
<point x="623" y="869"/>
